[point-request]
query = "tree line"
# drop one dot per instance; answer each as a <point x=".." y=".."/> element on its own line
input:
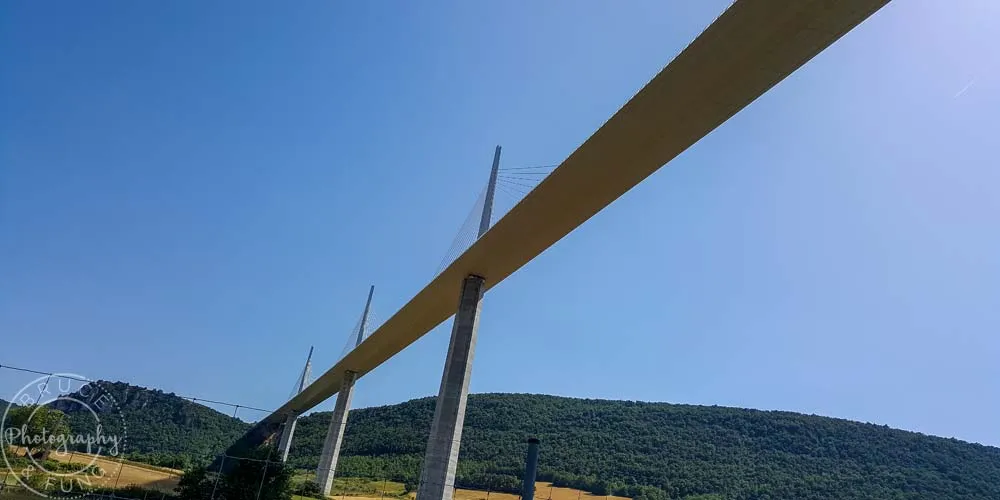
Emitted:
<point x="640" y="450"/>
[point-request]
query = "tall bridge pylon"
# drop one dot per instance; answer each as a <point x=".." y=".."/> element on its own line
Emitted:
<point x="288" y="430"/>
<point x="437" y="478"/>
<point x="338" y="421"/>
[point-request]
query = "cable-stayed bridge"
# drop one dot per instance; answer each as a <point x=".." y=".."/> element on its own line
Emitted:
<point x="748" y="49"/>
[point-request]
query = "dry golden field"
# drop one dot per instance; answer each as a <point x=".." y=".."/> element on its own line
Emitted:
<point x="165" y="480"/>
<point x="543" y="491"/>
<point x="158" y="478"/>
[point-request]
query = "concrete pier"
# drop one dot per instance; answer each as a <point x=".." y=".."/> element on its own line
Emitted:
<point x="530" y="470"/>
<point x="335" y="435"/>
<point x="285" y="442"/>
<point x="437" y="478"/>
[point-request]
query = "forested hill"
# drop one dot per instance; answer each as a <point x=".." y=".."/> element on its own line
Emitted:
<point x="648" y="450"/>
<point x="681" y="450"/>
<point x="159" y="427"/>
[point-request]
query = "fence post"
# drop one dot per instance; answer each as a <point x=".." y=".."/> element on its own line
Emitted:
<point x="222" y="462"/>
<point x="267" y="463"/>
<point x="218" y="474"/>
<point x="121" y="465"/>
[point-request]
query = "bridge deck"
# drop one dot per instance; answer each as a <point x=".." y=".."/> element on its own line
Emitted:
<point x="747" y="50"/>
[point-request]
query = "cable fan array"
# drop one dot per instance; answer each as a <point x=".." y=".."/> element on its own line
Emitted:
<point x="512" y="185"/>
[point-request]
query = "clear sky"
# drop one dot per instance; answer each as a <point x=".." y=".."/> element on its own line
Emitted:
<point x="193" y="193"/>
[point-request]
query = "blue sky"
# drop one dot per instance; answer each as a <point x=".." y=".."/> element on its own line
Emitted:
<point x="192" y="194"/>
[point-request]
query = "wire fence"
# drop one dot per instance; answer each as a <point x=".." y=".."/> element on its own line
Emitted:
<point x="125" y="481"/>
<point x="249" y="486"/>
<point x="20" y="492"/>
<point x="78" y="378"/>
<point x="130" y="480"/>
<point x="512" y="185"/>
<point x="120" y="485"/>
<point x="375" y="481"/>
<point x="118" y="474"/>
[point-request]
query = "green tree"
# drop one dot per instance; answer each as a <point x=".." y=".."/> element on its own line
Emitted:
<point x="253" y="477"/>
<point x="39" y="429"/>
<point x="309" y="489"/>
<point x="195" y="484"/>
<point x="258" y="478"/>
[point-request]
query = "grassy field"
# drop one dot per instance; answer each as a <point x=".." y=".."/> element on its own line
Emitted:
<point x="543" y="491"/>
<point x="356" y="488"/>
<point x="365" y="489"/>
<point x="17" y="494"/>
<point x="164" y="480"/>
<point x="147" y="476"/>
<point x="353" y="488"/>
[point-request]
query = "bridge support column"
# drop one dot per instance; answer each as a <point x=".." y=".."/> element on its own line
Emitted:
<point x="335" y="434"/>
<point x="285" y="442"/>
<point x="437" y="479"/>
<point x="288" y="429"/>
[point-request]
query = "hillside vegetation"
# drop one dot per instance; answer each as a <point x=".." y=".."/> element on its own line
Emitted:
<point x="159" y="428"/>
<point x="648" y="450"/>
<point x="680" y="450"/>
